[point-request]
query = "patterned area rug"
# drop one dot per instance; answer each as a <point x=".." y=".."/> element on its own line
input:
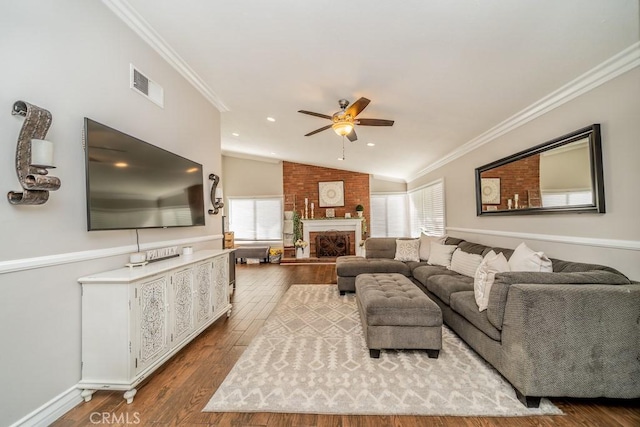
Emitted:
<point x="311" y="357"/>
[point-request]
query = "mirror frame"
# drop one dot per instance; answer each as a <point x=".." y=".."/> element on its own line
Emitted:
<point x="597" y="179"/>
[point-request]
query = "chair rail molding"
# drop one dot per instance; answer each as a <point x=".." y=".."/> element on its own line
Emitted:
<point x="15" y="265"/>
<point x="630" y="245"/>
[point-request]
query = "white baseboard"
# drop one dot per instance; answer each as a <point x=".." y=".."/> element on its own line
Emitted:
<point x="70" y="257"/>
<point x="52" y="410"/>
<point x="630" y="245"/>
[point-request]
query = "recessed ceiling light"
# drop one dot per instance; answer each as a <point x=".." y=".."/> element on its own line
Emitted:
<point x="273" y="154"/>
<point x="370" y="144"/>
<point x="340" y="158"/>
<point x="271" y="119"/>
<point x="235" y="134"/>
<point x="121" y="165"/>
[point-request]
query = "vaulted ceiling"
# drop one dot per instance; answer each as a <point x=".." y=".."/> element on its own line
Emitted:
<point x="448" y="72"/>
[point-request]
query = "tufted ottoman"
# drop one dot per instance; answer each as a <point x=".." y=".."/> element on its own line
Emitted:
<point x="396" y="314"/>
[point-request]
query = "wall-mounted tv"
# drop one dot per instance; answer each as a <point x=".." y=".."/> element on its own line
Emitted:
<point x="133" y="184"/>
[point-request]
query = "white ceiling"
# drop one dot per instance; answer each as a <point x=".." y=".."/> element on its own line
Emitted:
<point x="445" y="71"/>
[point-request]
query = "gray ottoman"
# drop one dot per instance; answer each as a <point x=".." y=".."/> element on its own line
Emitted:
<point x="396" y="314"/>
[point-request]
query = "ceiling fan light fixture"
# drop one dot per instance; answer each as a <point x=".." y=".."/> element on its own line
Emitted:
<point x="343" y="128"/>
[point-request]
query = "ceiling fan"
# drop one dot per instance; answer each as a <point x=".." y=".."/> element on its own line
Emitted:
<point x="345" y="120"/>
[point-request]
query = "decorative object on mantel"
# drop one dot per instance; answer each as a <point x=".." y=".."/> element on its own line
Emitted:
<point x="359" y="210"/>
<point x="331" y="194"/>
<point x="216" y="195"/>
<point x="330" y="213"/>
<point x="34" y="155"/>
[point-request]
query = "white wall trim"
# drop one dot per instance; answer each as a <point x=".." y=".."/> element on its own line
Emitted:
<point x="140" y="26"/>
<point x="630" y="245"/>
<point x="618" y="64"/>
<point x="14" y="265"/>
<point x="52" y="410"/>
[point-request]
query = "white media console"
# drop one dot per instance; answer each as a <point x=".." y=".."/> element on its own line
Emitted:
<point x="135" y="319"/>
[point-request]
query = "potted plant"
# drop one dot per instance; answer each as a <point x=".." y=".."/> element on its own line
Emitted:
<point x="359" y="210"/>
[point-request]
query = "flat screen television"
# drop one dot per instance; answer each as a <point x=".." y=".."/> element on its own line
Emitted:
<point x="132" y="184"/>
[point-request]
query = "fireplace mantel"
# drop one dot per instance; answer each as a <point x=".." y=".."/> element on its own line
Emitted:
<point x="337" y="224"/>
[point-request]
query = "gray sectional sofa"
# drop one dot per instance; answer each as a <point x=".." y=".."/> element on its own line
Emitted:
<point x="573" y="333"/>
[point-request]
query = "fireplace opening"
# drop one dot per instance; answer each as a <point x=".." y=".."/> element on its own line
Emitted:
<point x="332" y="244"/>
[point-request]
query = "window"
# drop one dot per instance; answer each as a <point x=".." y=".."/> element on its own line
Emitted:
<point x="256" y="218"/>
<point x="426" y="209"/>
<point x="566" y="198"/>
<point x="389" y="215"/>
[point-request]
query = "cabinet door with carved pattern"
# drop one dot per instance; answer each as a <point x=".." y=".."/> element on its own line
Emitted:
<point x="152" y="299"/>
<point x="221" y="283"/>
<point x="181" y="305"/>
<point x="203" y="300"/>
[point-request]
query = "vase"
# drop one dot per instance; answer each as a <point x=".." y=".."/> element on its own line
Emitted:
<point x="299" y="252"/>
<point x="359" y="214"/>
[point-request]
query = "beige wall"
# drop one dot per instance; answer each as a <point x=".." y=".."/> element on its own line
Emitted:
<point x="616" y="106"/>
<point x="247" y="177"/>
<point x="72" y="57"/>
<point x="566" y="170"/>
<point x="381" y="185"/>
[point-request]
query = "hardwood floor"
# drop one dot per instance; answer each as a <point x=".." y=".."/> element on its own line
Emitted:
<point x="175" y="395"/>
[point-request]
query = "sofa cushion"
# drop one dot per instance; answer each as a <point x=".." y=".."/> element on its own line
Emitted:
<point x="425" y="244"/>
<point x="474" y="248"/>
<point x="465" y="263"/>
<point x="504" y="251"/>
<point x="453" y="241"/>
<point x="441" y="254"/>
<point x="560" y="266"/>
<point x="526" y="259"/>
<point x="351" y="266"/>
<point x="500" y="288"/>
<point x="445" y="285"/>
<point x="422" y="272"/>
<point x="407" y="250"/>
<point x="485" y="275"/>
<point x="464" y="303"/>
<point x="381" y="247"/>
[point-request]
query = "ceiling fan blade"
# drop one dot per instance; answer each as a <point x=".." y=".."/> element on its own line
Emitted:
<point x="357" y="107"/>
<point x="374" y="122"/>
<point x="319" y="130"/>
<point x="352" y="136"/>
<point x="311" y="113"/>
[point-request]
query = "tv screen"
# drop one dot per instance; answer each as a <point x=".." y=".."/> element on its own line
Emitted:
<point x="133" y="184"/>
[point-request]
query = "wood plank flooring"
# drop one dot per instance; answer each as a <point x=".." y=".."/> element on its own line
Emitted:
<point x="175" y="395"/>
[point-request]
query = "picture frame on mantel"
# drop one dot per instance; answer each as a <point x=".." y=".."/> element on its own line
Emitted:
<point x="331" y="194"/>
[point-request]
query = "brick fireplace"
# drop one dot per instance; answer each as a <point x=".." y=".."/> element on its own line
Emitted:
<point x="351" y="227"/>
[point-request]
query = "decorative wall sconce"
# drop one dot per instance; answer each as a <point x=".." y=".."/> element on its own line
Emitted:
<point x="216" y="195"/>
<point x="34" y="155"/>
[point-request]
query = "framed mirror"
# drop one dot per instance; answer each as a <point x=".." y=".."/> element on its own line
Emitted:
<point x="562" y="175"/>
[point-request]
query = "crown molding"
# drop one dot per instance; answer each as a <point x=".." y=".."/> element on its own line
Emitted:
<point x="618" y="64"/>
<point x="123" y="10"/>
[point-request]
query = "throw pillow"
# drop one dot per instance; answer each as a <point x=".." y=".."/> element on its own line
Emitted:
<point x="525" y="259"/>
<point x="441" y="254"/>
<point x="407" y="250"/>
<point x="465" y="263"/>
<point x="485" y="275"/>
<point x="425" y="244"/>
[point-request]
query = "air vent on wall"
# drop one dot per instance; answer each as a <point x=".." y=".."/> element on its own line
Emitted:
<point x="145" y="86"/>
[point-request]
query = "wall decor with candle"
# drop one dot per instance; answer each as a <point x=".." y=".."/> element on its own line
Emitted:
<point x="216" y="195"/>
<point x="34" y="156"/>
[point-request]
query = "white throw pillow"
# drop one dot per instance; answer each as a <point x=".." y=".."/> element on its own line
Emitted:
<point x="407" y="250"/>
<point x="441" y="254"/>
<point x="465" y="263"/>
<point x="525" y="259"/>
<point x="425" y="244"/>
<point x="485" y="275"/>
